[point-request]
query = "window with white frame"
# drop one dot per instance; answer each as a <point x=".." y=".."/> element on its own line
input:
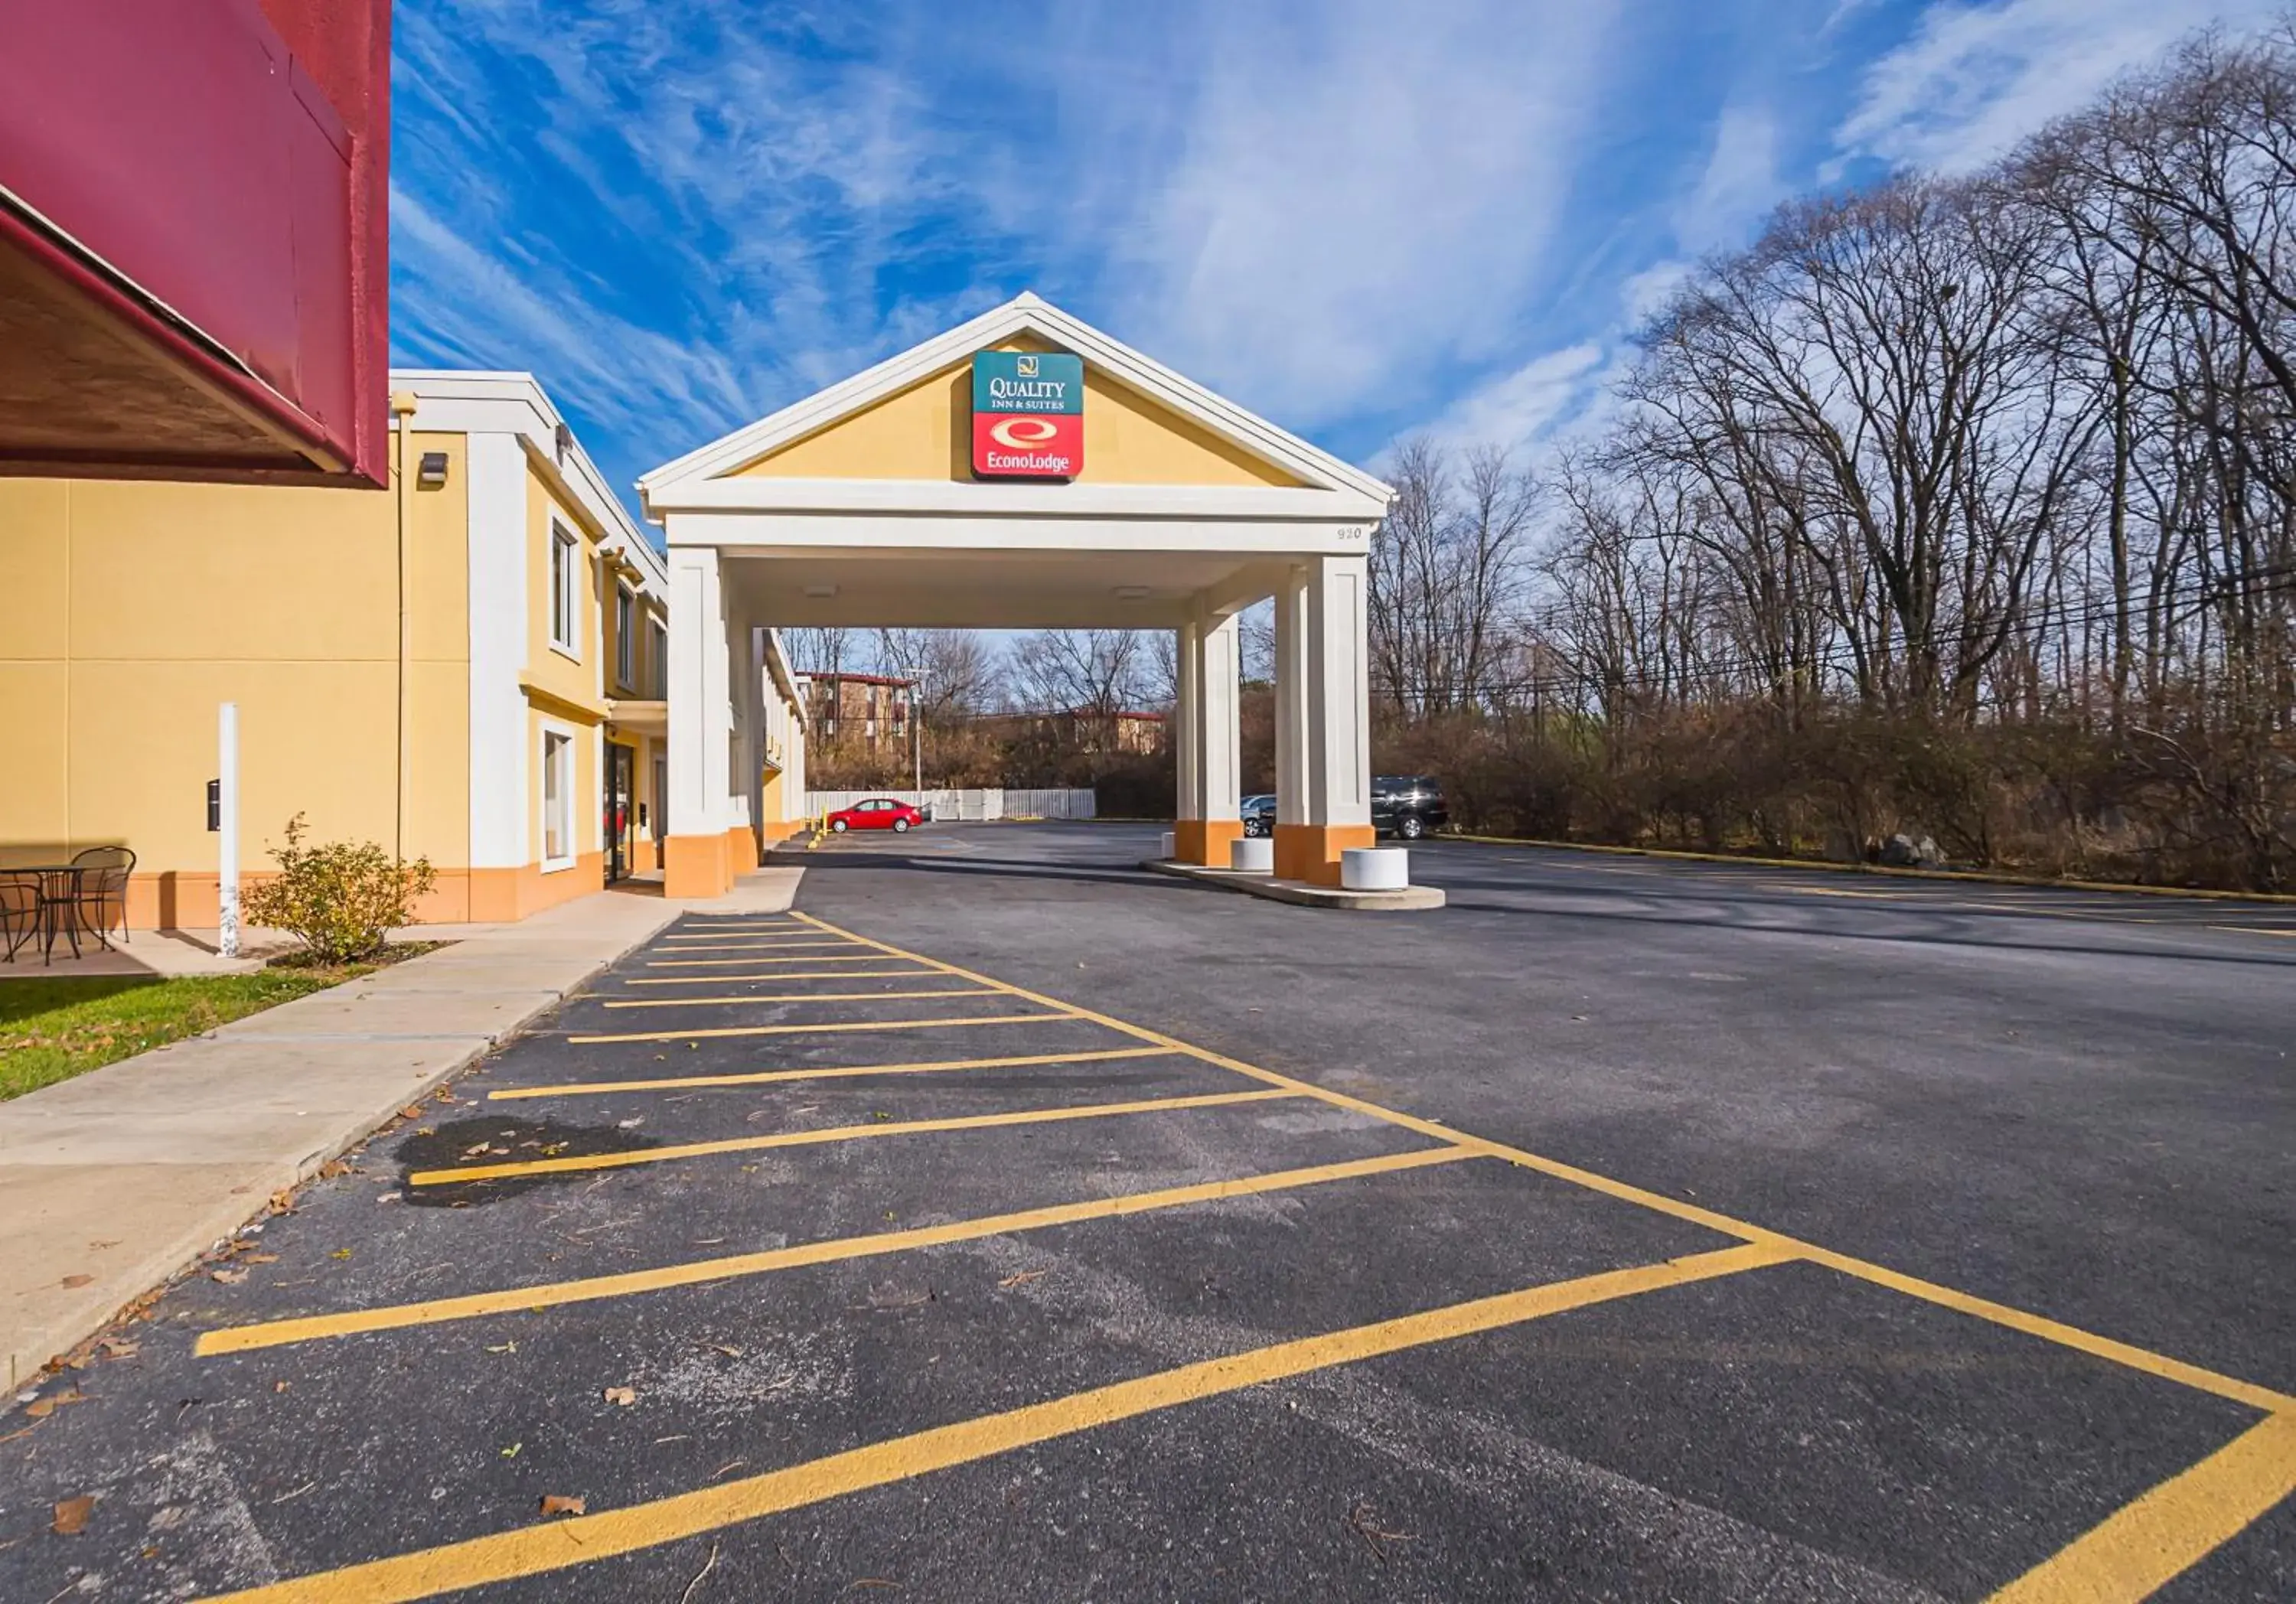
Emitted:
<point x="557" y="798"/>
<point x="658" y="644"/>
<point x="565" y="591"/>
<point x="625" y="638"/>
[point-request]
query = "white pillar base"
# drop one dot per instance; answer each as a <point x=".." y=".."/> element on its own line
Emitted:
<point x="1253" y="855"/>
<point x="1374" y="869"/>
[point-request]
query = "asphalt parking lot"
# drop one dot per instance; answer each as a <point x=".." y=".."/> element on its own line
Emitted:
<point x="1006" y="1223"/>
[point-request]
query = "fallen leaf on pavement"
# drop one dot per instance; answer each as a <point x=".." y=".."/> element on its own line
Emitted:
<point x="333" y="1168"/>
<point x="283" y="1201"/>
<point x="258" y="1258"/>
<point x="472" y="1152"/>
<point x="229" y="1278"/>
<point x="77" y="1281"/>
<point x="621" y="1394"/>
<point x="629" y="1125"/>
<point x="410" y="1111"/>
<point x="118" y="1347"/>
<point x="387" y="1197"/>
<point x="341" y="1253"/>
<point x="553" y="1504"/>
<point x="40" y="1408"/>
<point x="71" y="1516"/>
<point x="511" y="1451"/>
<point x="729" y="1349"/>
<point x="1022" y="1279"/>
<point x="504" y="1348"/>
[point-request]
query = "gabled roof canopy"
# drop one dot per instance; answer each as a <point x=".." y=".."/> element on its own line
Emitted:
<point x="1321" y="485"/>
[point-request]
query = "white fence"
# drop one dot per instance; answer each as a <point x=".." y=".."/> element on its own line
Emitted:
<point x="977" y="803"/>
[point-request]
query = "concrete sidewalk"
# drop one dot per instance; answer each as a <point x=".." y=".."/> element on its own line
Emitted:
<point x="113" y="1182"/>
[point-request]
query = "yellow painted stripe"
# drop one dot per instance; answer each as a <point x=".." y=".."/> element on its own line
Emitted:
<point x="907" y="974"/>
<point x="2254" y="929"/>
<point x="277" y="1333"/>
<point x="766" y="1077"/>
<point x="758" y="1031"/>
<point x="533" y="1549"/>
<point x="2147" y="1545"/>
<point x="781" y="1139"/>
<point x="714" y="945"/>
<point x="737" y="963"/>
<point x="2036" y="1325"/>
<point x="878" y="996"/>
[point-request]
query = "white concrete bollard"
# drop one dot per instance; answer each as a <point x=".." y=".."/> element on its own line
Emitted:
<point x="1374" y="869"/>
<point x="1251" y="854"/>
<point x="1164" y="850"/>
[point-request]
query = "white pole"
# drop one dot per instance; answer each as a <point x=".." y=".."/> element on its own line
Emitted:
<point x="227" y="827"/>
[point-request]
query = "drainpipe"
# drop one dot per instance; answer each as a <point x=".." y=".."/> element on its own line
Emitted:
<point x="402" y="408"/>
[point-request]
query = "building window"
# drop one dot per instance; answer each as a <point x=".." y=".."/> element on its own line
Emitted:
<point x="557" y="799"/>
<point x="565" y="592"/>
<point x="658" y="644"/>
<point x="626" y="642"/>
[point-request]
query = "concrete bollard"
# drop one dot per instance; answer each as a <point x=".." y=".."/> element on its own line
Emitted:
<point x="1251" y="854"/>
<point x="1164" y="848"/>
<point x="1374" y="869"/>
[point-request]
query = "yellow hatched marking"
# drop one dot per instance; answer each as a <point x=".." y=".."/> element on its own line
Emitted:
<point x="536" y="1548"/>
<point x="777" y="975"/>
<point x="780" y="1139"/>
<point x="737" y="963"/>
<point x="842" y="1025"/>
<point x="277" y="1333"/>
<point x="714" y="945"/>
<point x="2146" y="1545"/>
<point x="2035" y="1325"/>
<point x="766" y="1077"/>
<point x="878" y="996"/>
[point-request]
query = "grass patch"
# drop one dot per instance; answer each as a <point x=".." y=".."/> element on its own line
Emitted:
<point x="54" y="1028"/>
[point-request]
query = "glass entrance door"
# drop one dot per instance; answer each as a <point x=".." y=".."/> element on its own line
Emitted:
<point x="618" y="822"/>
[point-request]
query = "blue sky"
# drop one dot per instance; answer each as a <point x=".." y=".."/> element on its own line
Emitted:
<point x="1361" y="219"/>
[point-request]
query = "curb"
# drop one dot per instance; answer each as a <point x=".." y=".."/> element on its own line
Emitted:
<point x="1978" y="876"/>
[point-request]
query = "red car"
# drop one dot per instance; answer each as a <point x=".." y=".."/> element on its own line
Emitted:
<point x="875" y="813"/>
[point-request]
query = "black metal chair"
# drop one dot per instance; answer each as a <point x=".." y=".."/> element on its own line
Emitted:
<point x="20" y="910"/>
<point x="99" y="896"/>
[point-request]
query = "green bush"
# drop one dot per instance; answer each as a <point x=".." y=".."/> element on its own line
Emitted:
<point x="340" y="900"/>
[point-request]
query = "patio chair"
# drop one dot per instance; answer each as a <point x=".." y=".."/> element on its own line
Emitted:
<point x="101" y="894"/>
<point x="20" y="910"/>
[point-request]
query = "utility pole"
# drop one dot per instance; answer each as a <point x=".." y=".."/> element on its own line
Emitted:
<point x="917" y="734"/>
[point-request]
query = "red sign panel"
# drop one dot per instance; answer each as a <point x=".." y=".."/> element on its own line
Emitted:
<point x="1028" y="444"/>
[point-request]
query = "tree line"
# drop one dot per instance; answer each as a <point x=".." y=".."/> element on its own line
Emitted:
<point x="1958" y="506"/>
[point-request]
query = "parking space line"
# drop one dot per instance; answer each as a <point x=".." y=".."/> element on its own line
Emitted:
<point x="2145" y="1545"/>
<point x="781" y="1139"/>
<point x="712" y="945"/>
<point x="278" y="1333"/>
<point x="768" y="1078"/>
<point x="535" y="1549"/>
<point x="839" y="1026"/>
<point x="2034" y="1325"/>
<point x="908" y="974"/>
<point x="737" y="963"/>
<point x="883" y="996"/>
<point x="2254" y="930"/>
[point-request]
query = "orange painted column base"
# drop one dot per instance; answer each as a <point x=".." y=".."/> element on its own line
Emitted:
<point x="696" y="865"/>
<point x="1311" y="852"/>
<point x="1205" y="841"/>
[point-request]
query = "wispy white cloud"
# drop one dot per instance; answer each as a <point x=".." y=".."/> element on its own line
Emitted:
<point x="1741" y="181"/>
<point x="1973" y="79"/>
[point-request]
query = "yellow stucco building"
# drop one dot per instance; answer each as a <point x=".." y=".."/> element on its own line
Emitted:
<point x="469" y="667"/>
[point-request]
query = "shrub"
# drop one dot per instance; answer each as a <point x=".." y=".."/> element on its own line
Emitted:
<point x="340" y="900"/>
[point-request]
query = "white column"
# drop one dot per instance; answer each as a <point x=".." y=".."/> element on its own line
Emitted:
<point x="1219" y="725"/>
<point x="227" y="830"/>
<point x="1339" y="693"/>
<point x="1293" y="676"/>
<point x="1187" y="717"/>
<point x="698" y="693"/>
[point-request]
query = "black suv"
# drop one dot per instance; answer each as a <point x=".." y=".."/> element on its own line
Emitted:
<point x="1407" y="805"/>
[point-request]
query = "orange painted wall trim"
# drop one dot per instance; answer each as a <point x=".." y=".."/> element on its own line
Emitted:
<point x="696" y="865"/>
<point x="177" y="899"/>
<point x="1311" y="852"/>
<point x="1205" y="841"/>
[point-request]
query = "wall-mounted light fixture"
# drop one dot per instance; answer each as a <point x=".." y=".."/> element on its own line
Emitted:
<point x="431" y="474"/>
<point x="821" y="592"/>
<point x="1133" y="593"/>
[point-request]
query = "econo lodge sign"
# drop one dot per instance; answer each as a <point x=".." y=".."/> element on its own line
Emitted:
<point x="1028" y="415"/>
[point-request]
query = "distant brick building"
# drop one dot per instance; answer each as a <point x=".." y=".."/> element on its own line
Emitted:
<point x="1083" y="730"/>
<point x="862" y="708"/>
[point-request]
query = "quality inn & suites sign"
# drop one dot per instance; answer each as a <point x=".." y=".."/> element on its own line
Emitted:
<point x="1028" y="415"/>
